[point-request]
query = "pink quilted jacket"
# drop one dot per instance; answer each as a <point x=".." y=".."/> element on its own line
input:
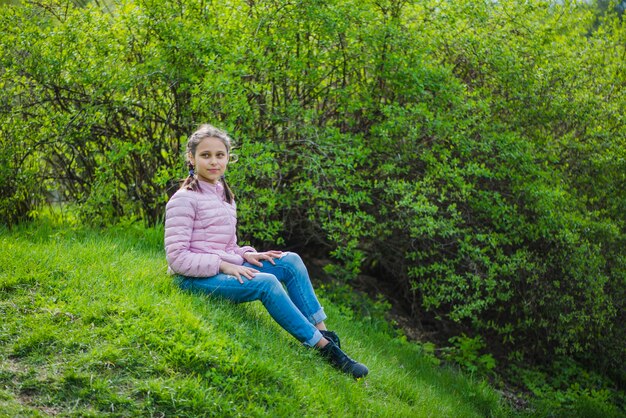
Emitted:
<point x="200" y="231"/>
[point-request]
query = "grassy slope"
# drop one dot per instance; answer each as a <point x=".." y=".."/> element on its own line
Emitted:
<point x="92" y="326"/>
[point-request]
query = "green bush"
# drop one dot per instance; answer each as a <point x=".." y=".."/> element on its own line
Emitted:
<point x="22" y="174"/>
<point x="565" y="389"/>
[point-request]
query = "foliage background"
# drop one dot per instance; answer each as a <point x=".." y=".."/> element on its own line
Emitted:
<point x="470" y="155"/>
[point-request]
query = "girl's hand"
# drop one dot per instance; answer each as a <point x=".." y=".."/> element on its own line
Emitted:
<point x="255" y="258"/>
<point x="237" y="271"/>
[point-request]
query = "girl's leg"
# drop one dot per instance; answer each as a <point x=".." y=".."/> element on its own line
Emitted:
<point x="290" y="270"/>
<point x="269" y="290"/>
<point x="266" y="288"/>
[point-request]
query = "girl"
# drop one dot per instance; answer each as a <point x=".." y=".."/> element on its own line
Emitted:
<point x="201" y="248"/>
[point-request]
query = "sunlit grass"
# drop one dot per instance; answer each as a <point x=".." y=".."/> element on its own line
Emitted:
<point x="92" y="325"/>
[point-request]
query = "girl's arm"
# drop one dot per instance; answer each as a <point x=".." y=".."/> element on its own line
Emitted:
<point x="242" y="250"/>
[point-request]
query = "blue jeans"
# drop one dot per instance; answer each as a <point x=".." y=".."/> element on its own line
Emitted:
<point x="297" y="310"/>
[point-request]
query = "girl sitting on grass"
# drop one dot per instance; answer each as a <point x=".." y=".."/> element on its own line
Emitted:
<point x="201" y="248"/>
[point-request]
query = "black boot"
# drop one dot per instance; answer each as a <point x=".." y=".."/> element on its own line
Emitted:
<point x="341" y="361"/>
<point x="331" y="336"/>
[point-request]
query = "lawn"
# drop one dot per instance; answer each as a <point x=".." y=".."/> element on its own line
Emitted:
<point x="92" y="325"/>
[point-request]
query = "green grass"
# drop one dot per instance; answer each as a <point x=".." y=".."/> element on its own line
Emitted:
<point x="93" y="326"/>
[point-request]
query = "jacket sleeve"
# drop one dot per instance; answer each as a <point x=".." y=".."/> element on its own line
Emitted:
<point x="242" y="250"/>
<point x="179" y="219"/>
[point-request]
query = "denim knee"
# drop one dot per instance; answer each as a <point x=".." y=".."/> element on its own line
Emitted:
<point x="269" y="285"/>
<point x="293" y="259"/>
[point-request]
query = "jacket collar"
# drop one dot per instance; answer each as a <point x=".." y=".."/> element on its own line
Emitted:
<point x="209" y="187"/>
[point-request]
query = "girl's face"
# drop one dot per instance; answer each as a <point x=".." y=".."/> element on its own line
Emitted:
<point x="210" y="160"/>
